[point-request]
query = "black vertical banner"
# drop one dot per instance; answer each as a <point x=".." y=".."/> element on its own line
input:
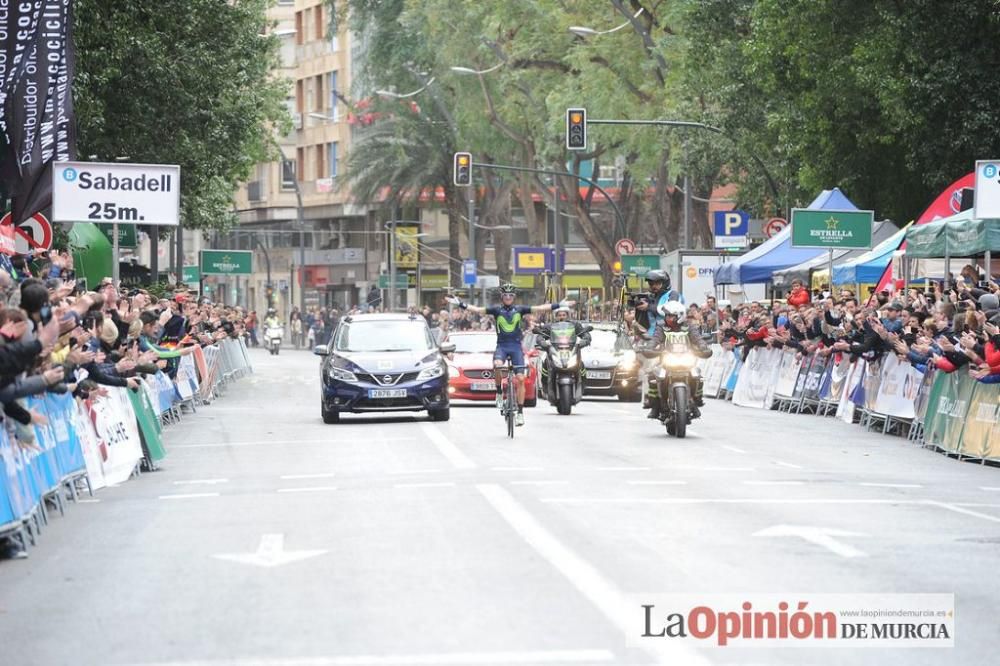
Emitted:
<point x="38" y="121"/>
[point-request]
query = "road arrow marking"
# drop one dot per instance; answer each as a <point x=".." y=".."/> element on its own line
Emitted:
<point x="270" y="553"/>
<point x="821" y="536"/>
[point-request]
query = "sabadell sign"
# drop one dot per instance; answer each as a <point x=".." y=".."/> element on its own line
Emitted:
<point x="116" y="192"/>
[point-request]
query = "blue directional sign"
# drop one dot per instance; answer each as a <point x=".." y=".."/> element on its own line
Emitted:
<point x="469" y="270"/>
<point x="731" y="228"/>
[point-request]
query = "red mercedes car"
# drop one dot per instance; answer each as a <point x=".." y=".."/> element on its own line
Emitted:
<point x="470" y="368"/>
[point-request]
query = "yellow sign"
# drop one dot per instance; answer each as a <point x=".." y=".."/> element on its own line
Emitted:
<point x="531" y="260"/>
<point x="407" y="253"/>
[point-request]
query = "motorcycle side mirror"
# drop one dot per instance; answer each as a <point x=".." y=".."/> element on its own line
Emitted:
<point x="447" y="347"/>
<point x="543" y="344"/>
<point x="588" y="329"/>
<point x="321" y="350"/>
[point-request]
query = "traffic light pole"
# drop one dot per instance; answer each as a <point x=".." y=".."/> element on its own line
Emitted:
<point x="472" y="232"/>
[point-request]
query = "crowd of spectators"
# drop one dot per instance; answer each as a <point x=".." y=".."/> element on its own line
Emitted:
<point x="952" y="326"/>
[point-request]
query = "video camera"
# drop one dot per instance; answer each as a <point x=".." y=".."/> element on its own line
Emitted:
<point x="634" y="299"/>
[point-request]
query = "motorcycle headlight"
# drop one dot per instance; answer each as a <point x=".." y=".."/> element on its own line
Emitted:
<point x="679" y="361"/>
<point x="566" y="360"/>
<point x="341" y="375"/>
<point x="454" y="371"/>
<point x="430" y="373"/>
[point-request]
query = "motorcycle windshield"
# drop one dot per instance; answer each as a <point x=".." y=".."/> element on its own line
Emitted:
<point x="563" y="334"/>
<point x="676" y="342"/>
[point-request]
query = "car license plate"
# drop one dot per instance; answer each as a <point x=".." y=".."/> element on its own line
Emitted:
<point x="484" y="386"/>
<point x="387" y="393"/>
<point x="598" y="374"/>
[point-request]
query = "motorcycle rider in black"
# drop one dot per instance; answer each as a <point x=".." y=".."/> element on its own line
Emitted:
<point x="674" y="319"/>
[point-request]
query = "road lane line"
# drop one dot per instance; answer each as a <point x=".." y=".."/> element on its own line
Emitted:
<point x="517" y="469"/>
<point x="277" y="442"/>
<point x="958" y="509"/>
<point x="717" y="500"/>
<point x="656" y="483"/>
<point x="442" y="484"/>
<point x="458" y="459"/>
<point x="991" y="488"/>
<point x="891" y="485"/>
<point x="188" y="496"/>
<point x="195" y="482"/>
<point x="442" y="659"/>
<point x="307" y="489"/>
<point x="695" y="468"/>
<point x="733" y="449"/>
<point x="588" y="581"/>
<point x="622" y="469"/>
<point x="538" y="483"/>
<point x="774" y="483"/>
<point x="293" y="477"/>
<point x="787" y="464"/>
<point x="414" y="471"/>
<point x="88" y="501"/>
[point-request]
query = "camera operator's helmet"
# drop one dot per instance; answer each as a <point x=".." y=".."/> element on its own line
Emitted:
<point x="656" y="275"/>
<point x="508" y="288"/>
<point x="674" y="309"/>
<point x="270" y="311"/>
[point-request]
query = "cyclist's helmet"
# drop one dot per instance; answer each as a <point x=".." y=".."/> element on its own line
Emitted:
<point x="508" y="288"/>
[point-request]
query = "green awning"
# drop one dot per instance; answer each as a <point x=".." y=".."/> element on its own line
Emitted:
<point x="960" y="235"/>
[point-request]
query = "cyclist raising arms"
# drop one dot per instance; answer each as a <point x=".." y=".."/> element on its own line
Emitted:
<point x="509" y="334"/>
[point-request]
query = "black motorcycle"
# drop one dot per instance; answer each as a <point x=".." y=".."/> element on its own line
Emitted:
<point x="675" y="374"/>
<point x="561" y="381"/>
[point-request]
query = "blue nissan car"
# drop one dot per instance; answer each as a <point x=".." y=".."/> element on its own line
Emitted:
<point x="383" y="363"/>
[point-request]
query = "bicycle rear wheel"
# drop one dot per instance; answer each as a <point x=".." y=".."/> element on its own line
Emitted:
<point x="511" y="402"/>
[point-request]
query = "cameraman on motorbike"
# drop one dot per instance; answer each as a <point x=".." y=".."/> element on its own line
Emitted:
<point x="673" y="319"/>
<point x="271" y="321"/>
<point x="562" y="315"/>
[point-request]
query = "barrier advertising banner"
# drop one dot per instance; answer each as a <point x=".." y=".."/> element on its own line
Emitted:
<point x="120" y="446"/>
<point x="788" y="372"/>
<point x="898" y="387"/>
<point x="946" y="411"/>
<point x="981" y="437"/>
<point x="753" y="387"/>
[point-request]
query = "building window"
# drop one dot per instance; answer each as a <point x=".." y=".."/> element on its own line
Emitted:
<point x="300" y="161"/>
<point x="288" y="175"/>
<point x="333" y="159"/>
<point x="300" y="97"/>
<point x="299" y="32"/>
<point x="320" y="167"/>
<point x="333" y="96"/>
<point x="319" y="22"/>
<point x="320" y="99"/>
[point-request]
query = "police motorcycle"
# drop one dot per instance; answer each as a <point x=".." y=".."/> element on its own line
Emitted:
<point x="674" y="378"/>
<point x="561" y="376"/>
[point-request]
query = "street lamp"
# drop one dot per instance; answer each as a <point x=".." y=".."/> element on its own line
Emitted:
<point x="395" y="95"/>
<point x="590" y="32"/>
<point x="478" y="72"/>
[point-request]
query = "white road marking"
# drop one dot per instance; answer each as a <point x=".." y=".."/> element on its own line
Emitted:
<point x="444" y="659"/>
<point x="292" y="477"/>
<point x="196" y="482"/>
<point x="88" y="501"/>
<point x="891" y="485"/>
<point x="725" y="500"/>
<point x="518" y="469"/>
<point x="968" y="512"/>
<point x="821" y="536"/>
<point x="309" y="489"/>
<point x="270" y="553"/>
<point x="622" y="469"/>
<point x="188" y="496"/>
<point x="656" y="483"/>
<point x="458" y="459"/>
<point x="277" y="442"/>
<point x="538" y="483"/>
<point x="590" y="582"/>
<point x="695" y="468"/>
<point x="414" y="471"/>
<point x="787" y="464"/>
<point x="991" y="488"/>
<point x="444" y="484"/>
<point x="774" y="483"/>
<point x="733" y="449"/>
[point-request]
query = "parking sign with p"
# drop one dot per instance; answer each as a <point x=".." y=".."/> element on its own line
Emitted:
<point x="731" y="228"/>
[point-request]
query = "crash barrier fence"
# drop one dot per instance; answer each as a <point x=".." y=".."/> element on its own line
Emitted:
<point x="951" y="412"/>
<point x="101" y="441"/>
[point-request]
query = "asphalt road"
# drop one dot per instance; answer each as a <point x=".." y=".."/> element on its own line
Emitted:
<point x="271" y="539"/>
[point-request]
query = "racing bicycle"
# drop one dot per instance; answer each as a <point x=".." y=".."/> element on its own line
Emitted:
<point x="508" y="407"/>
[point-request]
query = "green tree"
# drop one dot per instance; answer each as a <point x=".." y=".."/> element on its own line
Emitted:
<point x="189" y="83"/>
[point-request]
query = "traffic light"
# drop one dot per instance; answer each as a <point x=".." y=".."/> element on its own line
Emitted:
<point x="617" y="267"/>
<point x="463" y="169"/>
<point x="576" y="129"/>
